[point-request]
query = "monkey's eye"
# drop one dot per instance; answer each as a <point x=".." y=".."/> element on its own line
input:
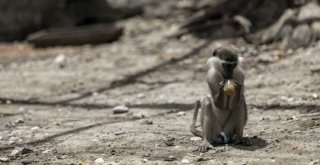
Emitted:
<point x="214" y="52"/>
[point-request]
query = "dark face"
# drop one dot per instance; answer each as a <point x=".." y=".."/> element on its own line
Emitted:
<point x="229" y="58"/>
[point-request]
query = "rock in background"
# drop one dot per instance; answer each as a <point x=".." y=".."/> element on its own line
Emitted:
<point x="18" y="18"/>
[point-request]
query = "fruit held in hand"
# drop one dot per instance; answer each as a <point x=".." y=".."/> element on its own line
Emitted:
<point x="229" y="88"/>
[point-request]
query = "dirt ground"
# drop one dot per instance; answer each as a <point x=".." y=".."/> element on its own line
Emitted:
<point x="59" y="102"/>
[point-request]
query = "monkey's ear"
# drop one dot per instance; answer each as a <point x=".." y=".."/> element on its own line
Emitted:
<point x="214" y="52"/>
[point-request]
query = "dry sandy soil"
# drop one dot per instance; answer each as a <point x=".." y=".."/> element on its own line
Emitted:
<point x="59" y="102"/>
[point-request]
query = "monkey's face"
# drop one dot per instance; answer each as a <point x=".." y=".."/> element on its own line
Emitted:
<point x="229" y="60"/>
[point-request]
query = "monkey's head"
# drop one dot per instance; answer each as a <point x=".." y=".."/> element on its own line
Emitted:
<point x="225" y="60"/>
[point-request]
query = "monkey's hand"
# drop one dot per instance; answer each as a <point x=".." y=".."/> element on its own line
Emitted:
<point x="204" y="146"/>
<point x="237" y="84"/>
<point x="221" y="84"/>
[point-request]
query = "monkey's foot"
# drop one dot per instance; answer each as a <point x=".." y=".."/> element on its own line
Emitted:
<point x="204" y="147"/>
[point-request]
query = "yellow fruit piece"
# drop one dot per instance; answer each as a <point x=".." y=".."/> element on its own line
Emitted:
<point x="229" y="88"/>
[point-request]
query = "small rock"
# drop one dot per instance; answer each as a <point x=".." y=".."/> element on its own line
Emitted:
<point x="22" y="109"/>
<point x="170" y="158"/>
<point x="140" y="95"/>
<point x="1" y="138"/>
<point x="19" y="121"/>
<point x="201" y="159"/>
<point x="147" y="154"/>
<point x="230" y="162"/>
<point x="99" y="161"/>
<point x="296" y="131"/>
<point x="81" y="163"/>
<point x="170" y="141"/>
<point x="4" y="159"/>
<point x="148" y="122"/>
<point x="195" y="138"/>
<point x="11" y="142"/>
<point x="26" y="161"/>
<point x="9" y="125"/>
<point x="95" y="94"/>
<point x="25" y="150"/>
<point x="19" y="151"/>
<point x="119" y="132"/>
<point x="120" y="109"/>
<point x="13" y="138"/>
<point x="144" y="160"/>
<point x="60" y="58"/>
<point x="315" y="96"/>
<point x="314" y="162"/>
<point x="185" y="161"/>
<point x="46" y="151"/>
<point x="181" y="113"/>
<point x="14" y="153"/>
<point x="138" y="116"/>
<point x="35" y="128"/>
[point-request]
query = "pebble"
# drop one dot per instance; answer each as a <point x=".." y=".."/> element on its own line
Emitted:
<point x="19" y="121"/>
<point x="60" y="58"/>
<point x="185" y="161"/>
<point x="147" y="154"/>
<point x="35" y="128"/>
<point x="170" y="158"/>
<point x="181" y="113"/>
<point x="170" y="141"/>
<point x="148" y="122"/>
<point x="140" y="95"/>
<point x="14" y="153"/>
<point x="119" y="132"/>
<point x="4" y="159"/>
<point x="46" y="151"/>
<point x="314" y="162"/>
<point x="8" y="125"/>
<point x="25" y="150"/>
<point x="99" y="161"/>
<point x="195" y="138"/>
<point x="14" y="139"/>
<point x="26" y="161"/>
<point x="19" y="151"/>
<point x="315" y="96"/>
<point x="138" y="116"/>
<point x="120" y="109"/>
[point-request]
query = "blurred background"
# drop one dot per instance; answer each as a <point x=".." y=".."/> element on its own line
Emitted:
<point x="25" y="20"/>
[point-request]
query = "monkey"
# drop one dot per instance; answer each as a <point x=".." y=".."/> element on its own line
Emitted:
<point x="224" y="111"/>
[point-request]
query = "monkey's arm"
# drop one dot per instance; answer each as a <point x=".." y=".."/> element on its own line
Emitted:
<point x="220" y="99"/>
<point x="216" y="83"/>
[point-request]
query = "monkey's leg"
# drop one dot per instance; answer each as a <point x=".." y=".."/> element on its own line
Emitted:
<point x="235" y="125"/>
<point x="209" y="126"/>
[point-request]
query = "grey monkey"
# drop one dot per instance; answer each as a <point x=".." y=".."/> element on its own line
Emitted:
<point x="223" y="112"/>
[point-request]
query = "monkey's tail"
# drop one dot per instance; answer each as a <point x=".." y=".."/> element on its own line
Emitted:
<point x="193" y="129"/>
